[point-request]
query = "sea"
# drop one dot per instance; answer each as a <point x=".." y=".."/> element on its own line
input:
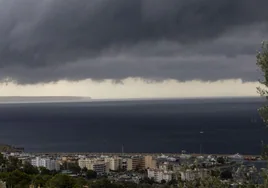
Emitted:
<point x="218" y="126"/>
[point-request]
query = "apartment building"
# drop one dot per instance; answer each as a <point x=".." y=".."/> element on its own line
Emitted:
<point x="190" y="175"/>
<point x="159" y="175"/>
<point x="98" y="165"/>
<point x="50" y="164"/>
<point x="114" y="163"/>
<point x="149" y="162"/>
<point x="138" y="163"/>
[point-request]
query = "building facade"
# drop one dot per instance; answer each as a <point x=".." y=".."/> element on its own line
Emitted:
<point x="190" y="175"/>
<point x="114" y="163"/>
<point x="98" y="165"/>
<point x="123" y="164"/>
<point x="100" y="168"/>
<point x="149" y="162"/>
<point x="85" y="163"/>
<point x="138" y="163"/>
<point x="50" y="164"/>
<point x="159" y="175"/>
<point x="129" y="164"/>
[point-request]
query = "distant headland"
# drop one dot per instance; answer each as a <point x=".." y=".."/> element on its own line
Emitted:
<point x="9" y="148"/>
<point x="42" y="99"/>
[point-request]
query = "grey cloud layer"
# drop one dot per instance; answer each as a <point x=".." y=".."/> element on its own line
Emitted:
<point x="48" y="40"/>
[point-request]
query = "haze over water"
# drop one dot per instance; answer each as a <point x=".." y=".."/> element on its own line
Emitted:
<point x="229" y="126"/>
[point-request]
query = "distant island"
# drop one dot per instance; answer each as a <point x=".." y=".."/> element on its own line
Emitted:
<point x="42" y="99"/>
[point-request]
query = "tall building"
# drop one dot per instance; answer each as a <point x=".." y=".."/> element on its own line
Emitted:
<point x="149" y="162"/>
<point x="82" y="163"/>
<point x="123" y="164"/>
<point x="134" y="163"/>
<point x="113" y="163"/>
<point x="129" y="164"/>
<point x="50" y="164"/>
<point x="190" y="175"/>
<point x="97" y="165"/>
<point x="138" y="163"/>
<point x="159" y="175"/>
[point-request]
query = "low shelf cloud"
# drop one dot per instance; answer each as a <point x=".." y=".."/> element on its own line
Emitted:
<point x="131" y="88"/>
<point x="46" y="41"/>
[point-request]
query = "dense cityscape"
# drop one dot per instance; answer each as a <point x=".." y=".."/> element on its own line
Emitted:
<point x="56" y="170"/>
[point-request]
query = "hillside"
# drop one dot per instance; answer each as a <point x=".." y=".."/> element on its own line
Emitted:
<point x="9" y="148"/>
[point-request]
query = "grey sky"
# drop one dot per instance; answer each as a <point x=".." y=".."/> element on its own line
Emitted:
<point x="48" y="40"/>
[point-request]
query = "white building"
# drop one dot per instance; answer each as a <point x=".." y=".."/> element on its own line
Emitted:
<point x="47" y="163"/>
<point x="97" y="165"/>
<point x="159" y="175"/>
<point x="126" y="164"/>
<point x="190" y="175"/>
<point x="164" y="166"/>
<point x="123" y="164"/>
<point x="85" y="162"/>
<point x="113" y="163"/>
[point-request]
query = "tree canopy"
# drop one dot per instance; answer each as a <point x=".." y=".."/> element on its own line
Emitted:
<point x="61" y="181"/>
<point x="90" y="174"/>
<point x="262" y="63"/>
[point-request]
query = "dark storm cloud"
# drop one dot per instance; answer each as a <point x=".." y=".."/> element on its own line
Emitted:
<point x="48" y="40"/>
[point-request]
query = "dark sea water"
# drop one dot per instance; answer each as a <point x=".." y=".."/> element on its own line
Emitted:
<point x="229" y="126"/>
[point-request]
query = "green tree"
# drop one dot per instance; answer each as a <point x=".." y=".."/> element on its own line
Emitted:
<point x="4" y="176"/>
<point x="105" y="183"/>
<point x="173" y="182"/>
<point x="40" y="180"/>
<point x="80" y="182"/>
<point x="90" y="174"/>
<point x="130" y="185"/>
<point x="64" y="166"/>
<point x="163" y="182"/>
<point x="61" y="181"/>
<point x="265" y="177"/>
<point x="13" y="164"/>
<point x="84" y="169"/>
<point x="226" y="174"/>
<point x="44" y="171"/>
<point x="3" y="162"/>
<point x="262" y="63"/>
<point x="29" y="169"/>
<point x="74" y="167"/>
<point x="147" y="180"/>
<point x="215" y="173"/>
<point x="2" y="159"/>
<point x="18" y="179"/>
<point x="220" y="160"/>
<point x="212" y="182"/>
